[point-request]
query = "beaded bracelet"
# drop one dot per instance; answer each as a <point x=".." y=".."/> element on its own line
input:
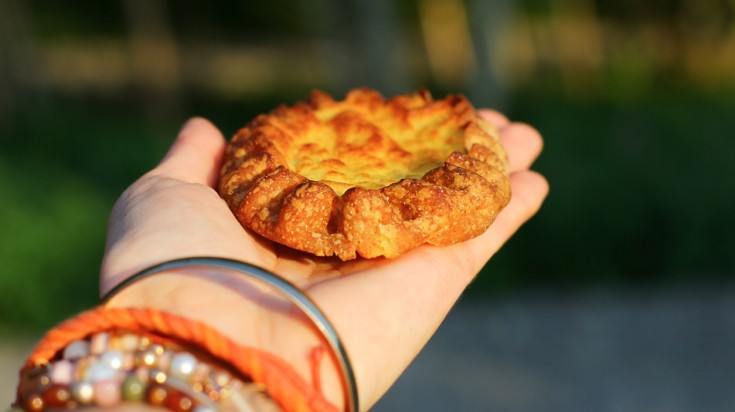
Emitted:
<point x="291" y="292"/>
<point x="111" y="368"/>
<point x="42" y="384"/>
<point x="97" y="359"/>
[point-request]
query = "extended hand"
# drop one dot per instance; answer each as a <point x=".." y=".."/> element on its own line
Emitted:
<point x="384" y="310"/>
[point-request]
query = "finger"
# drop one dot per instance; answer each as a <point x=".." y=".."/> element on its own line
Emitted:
<point x="523" y="144"/>
<point x="498" y="119"/>
<point x="196" y="153"/>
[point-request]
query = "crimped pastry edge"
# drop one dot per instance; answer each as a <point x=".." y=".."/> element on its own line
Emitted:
<point x="451" y="203"/>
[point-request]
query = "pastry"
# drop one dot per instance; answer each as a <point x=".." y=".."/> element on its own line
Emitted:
<point x="367" y="176"/>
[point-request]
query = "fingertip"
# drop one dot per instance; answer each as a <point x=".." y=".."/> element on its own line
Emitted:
<point x="523" y="144"/>
<point x="196" y="152"/>
<point x="532" y="179"/>
<point x="191" y="123"/>
<point x="529" y="190"/>
<point x="498" y="119"/>
<point x="201" y="130"/>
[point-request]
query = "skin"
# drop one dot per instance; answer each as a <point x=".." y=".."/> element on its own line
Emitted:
<point x="384" y="310"/>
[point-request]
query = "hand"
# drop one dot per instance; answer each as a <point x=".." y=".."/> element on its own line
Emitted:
<point x="384" y="310"/>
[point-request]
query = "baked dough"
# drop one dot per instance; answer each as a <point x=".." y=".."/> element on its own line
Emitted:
<point x="367" y="176"/>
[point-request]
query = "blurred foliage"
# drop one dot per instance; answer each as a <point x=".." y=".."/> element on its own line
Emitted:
<point x="60" y="171"/>
<point x="638" y="140"/>
<point x="640" y="193"/>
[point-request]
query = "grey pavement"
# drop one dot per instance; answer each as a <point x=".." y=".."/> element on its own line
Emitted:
<point x="654" y="350"/>
<point x="626" y="351"/>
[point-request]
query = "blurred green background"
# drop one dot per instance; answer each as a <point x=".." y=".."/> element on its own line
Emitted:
<point x="636" y="102"/>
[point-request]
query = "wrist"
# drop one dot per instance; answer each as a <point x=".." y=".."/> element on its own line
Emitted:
<point x="113" y="357"/>
<point x="247" y="312"/>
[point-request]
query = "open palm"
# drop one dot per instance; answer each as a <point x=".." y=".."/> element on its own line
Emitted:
<point x="384" y="310"/>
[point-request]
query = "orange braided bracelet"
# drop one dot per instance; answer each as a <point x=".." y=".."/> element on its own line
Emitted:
<point x="107" y="356"/>
<point x="42" y="385"/>
<point x="289" y="291"/>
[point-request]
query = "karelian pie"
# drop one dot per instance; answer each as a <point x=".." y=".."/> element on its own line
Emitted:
<point x="367" y="176"/>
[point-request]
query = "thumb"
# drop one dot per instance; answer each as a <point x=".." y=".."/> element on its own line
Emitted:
<point x="196" y="154"/>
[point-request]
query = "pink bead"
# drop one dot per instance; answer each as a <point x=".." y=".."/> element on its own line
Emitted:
<point x="107" y="393"/>
<point x="165" y="360"/>
<point x="76" y="349"/>
<point x="201" y="372"/>
<point x="99" y="343"/>
<point x="128" y="342"/>
<point x="62" y="372"/>
<point x="142" y="374"/>
<point x="128" y="361"/>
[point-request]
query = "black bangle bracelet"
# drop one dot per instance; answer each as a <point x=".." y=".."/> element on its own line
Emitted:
<point x="291" y="292"/>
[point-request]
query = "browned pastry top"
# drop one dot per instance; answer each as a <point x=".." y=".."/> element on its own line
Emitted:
<point x="367" y="175"/>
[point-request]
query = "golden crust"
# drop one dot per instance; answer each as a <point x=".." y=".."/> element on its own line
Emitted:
<point x="367" y="176"/>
